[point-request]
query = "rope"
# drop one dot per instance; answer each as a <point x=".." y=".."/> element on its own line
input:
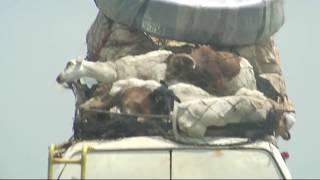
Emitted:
<point x="128" y="114"/>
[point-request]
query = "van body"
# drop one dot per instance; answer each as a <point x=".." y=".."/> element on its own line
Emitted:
<point x="160" y="158"/>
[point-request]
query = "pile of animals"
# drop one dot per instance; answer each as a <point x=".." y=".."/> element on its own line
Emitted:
<point x="152" y="86"/>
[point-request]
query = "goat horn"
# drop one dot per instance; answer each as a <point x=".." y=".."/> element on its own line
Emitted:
<point x="187" y="56"/>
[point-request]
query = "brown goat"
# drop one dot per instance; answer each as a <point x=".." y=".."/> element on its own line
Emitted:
<point x="212" y="67"/>
<point x="142" y="100"/>
<point x="98" y="97"/>
<point x="132" y="100"/>
<point x="206" y="68"/>
<point x="180" y="68"/>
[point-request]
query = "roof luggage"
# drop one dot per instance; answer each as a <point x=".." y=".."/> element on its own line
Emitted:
<point x="222" y="23"/>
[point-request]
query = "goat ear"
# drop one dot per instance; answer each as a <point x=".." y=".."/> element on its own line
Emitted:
<point x="177" y="99"/>
<point x="187" y="60"/>
<point x="162" y="82"/>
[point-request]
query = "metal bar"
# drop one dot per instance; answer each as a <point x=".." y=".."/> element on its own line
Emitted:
<point x="50" y="161"/>
<point x="84" y="153"/>
<point x="68" y="161"/>
<point x="170" y="163"/>
<point x="158" y="149"/>
<point x="127" y="114"/>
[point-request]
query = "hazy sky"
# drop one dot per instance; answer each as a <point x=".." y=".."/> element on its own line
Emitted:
<point x="38" y="37"/>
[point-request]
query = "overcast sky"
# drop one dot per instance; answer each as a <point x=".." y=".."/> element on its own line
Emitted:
<point x="38" y="37"/>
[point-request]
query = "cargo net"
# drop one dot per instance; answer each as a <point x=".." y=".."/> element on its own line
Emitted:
<point x="237" y="92"/>
<point x="188" y="123"/>
<point x="103" y="124"/>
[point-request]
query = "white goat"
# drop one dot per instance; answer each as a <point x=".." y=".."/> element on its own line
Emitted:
<point x="122" y="85"/>
<point x="160" y="65"/>
<point x="184" y="91"/>
<point x="151" y="65"/>
<point x="188" y="92"/>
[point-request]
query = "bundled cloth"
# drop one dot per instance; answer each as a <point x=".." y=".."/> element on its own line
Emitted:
<point x="245" y="78"/>
<point x="265" y="60"/>
<point x="247" y="106"/>
<point x="264" y="56"/>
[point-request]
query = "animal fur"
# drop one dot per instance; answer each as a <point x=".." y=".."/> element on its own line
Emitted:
<point x="217" y="72"/>
<point x="123" y="90"/>
<point x="133" y="100"/>
<point x="151" y="65"/>
<point x="163" y="99"/>
<point x="213" y="67"/>
<point x="102" y="100"/>
<point x="143" y="99"/>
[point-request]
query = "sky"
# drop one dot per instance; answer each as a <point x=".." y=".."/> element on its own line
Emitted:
<point x="38" y="37"/>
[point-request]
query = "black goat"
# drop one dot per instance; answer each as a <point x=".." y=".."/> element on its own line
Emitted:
<point x="163" y="99"/>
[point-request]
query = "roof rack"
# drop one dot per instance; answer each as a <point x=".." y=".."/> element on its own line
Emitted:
<point x="96" y="124"/>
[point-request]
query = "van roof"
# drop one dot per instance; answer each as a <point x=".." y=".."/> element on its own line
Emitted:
<point x="157" y="142"/>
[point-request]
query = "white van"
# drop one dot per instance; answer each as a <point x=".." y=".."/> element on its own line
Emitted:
<point x="159" y="158"/>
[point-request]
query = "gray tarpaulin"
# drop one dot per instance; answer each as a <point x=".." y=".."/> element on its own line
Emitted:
<point x="218" y="22"/>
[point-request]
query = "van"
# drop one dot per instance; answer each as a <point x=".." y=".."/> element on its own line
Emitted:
<point x="155" y="157"/>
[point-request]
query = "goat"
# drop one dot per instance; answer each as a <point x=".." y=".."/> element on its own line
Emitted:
<point x="128" y="93"/>
<point x="155" y="65"/>
<point x="214" y="68"/>
<point x="163" y="99"/>
<point x="143" y="97"/>
<point x="282" y="120"/>
<point x="216" y="72"/>
<point x="284" y="124"/>
<point x="147" y="66"/>
<point x="133" y="100"/>
<point x="78" y="68"/>
<point x="189" y="92"/>
<point x="113" y="95"/>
